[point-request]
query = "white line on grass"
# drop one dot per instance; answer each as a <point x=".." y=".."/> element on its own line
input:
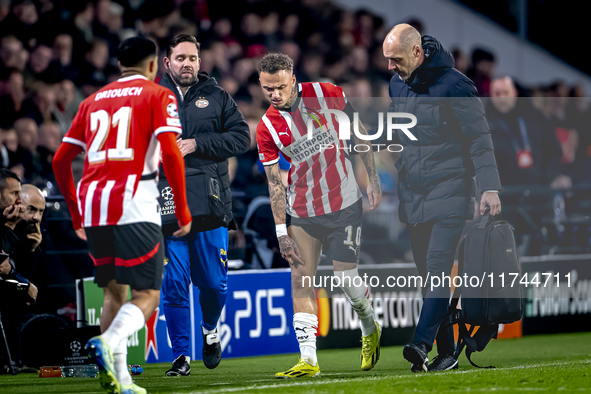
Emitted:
<point x="384" y="377"/>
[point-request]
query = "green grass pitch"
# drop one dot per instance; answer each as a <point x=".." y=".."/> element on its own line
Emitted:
<point x="547" y="363"/>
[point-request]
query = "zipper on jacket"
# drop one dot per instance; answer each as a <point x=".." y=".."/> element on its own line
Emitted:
<point x="181" y="93"/>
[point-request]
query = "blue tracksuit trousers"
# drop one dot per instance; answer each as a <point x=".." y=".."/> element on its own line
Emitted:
<point x="198" y="258"/>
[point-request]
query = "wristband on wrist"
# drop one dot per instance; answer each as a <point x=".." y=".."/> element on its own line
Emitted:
<point x="281" y="230"/>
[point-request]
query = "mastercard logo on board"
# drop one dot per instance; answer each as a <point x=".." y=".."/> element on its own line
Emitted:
<point x="323" y="312"/>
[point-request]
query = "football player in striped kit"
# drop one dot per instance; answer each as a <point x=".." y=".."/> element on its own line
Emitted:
<point x="323" y="201"/>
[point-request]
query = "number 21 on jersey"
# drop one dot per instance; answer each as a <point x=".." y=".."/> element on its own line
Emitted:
<point x="100" y="125"/>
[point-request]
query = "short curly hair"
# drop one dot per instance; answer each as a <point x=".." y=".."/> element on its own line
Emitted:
<point x="275" y="62"/>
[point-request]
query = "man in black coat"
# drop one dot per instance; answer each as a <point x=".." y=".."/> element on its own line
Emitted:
<point x="524" y="139"/>
<point x="12" y="312"/>
<point x="436" y="171"/>
<point x="213" y="131"/>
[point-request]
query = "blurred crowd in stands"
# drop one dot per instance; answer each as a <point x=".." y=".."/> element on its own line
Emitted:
<point x="54" y="53"/>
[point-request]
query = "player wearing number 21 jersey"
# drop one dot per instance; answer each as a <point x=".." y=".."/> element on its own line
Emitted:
<point x="124" y="128"/>
<point x="118" y="127"/>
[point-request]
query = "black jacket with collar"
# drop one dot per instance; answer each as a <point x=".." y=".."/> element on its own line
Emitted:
<point x="437" y="172"/>
<point x="210" y="116"/>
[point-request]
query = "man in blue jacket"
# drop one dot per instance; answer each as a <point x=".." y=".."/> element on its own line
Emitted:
<point x="213" y="131"/>
<point x="436" y="172"/>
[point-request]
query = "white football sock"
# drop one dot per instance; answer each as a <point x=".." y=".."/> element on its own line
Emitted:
<point x="129" y="319"/>
<point x="358" y="297"/>
<point x="207" y="332"/>
<point x="305" y="326"/>
<point x="120" y="356"/>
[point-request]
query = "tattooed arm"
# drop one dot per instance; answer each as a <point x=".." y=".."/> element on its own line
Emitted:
<point x="289" y="249"/>
<point x="374" y="191"/>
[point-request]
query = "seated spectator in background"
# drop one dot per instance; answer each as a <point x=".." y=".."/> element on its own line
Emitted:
<point x="9" y="140"/>
<point x="11" y="50"/>
<point x="12" y="94"/>
<point x="81" y="29"/>
<point x="270" y="31"/>
<point x="108" y="23"/>
<point x="41" y="105"/>
<point x="526" y="148"/>
<point x="230" y="85"/>
<point x="12" y="211"/>
<point x="311" y="66"/>
<point x="251" y="30"/>
<point x="334" y="68"/>
<point x="94" y="73"/>
<point x="359" y="62"/>
<point x="38" y="67"/>
<point x="578" y="116"/>
<point x="461" y="60"/>
<point x="62" y="49"/>
<point x="292" y="50"/>
<point x="365" y="29"/>
<point x="483" y="66"/>
<point x="417" y="24"/>
<point x="223" y="32"/>
<point x="8" y="147"/>
<point x="27" y="155"/>
<point x="66" y="104"/>
<point x="50" y="138"/>
<point x="22" y="22"/>
<point x="62" y="62"/>
<point x="290" y="27"/>
<point x="565" y="130"/>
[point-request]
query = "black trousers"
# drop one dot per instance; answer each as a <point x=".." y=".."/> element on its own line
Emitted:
<point x="433" y="246"/>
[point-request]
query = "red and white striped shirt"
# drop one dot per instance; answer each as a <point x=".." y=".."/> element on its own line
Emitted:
<point x="321" y="177"/>
<point x="118" y="128"/>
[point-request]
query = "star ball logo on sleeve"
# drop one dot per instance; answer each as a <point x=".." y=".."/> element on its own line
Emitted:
<point x="172" y="111"/>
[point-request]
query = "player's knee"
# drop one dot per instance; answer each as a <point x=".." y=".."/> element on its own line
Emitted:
<point x="297" y="278"/>
<point x="301" y="286"/>
<point x="115" y="295"/>
<point x="212" y="285"/>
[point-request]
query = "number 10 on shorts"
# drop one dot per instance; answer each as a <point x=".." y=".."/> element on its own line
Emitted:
<point x="349" y="240"/>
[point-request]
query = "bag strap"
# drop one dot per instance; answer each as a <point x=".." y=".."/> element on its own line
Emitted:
<point x="478" y="342"/>
<point x="484" y="219"/>
<point x="458" y="290"/>
<point x="453" y="313"/>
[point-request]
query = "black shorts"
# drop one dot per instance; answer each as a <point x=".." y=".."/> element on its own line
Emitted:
<point x="339" y="232"/>
<point x="132" y="254"/>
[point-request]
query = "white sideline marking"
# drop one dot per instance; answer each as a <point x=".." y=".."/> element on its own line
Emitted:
<point x="317" y="381"/>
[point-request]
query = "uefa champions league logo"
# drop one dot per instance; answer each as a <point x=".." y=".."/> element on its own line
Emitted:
<point x="168" y="205"/>
<point x="75" y="347"/>
<point x="167" y="193"/>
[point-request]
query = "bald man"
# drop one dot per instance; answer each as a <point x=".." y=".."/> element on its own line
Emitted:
<point x="524" y="138"/>
<point x="34" y="202"/>
<point x="436" y="173"/>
